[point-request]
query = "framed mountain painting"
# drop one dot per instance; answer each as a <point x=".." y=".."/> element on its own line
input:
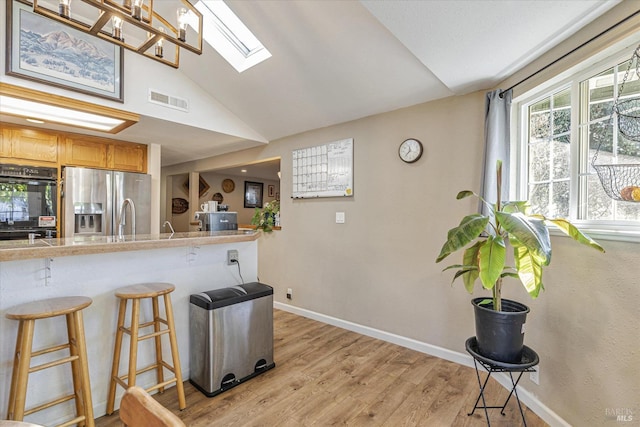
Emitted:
<point x="46" y="51"/>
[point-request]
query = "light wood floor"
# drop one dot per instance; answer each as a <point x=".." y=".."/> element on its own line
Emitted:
<point x="326" y="376"/>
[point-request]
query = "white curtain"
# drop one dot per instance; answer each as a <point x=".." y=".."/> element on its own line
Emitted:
<point x="496" y="136"/>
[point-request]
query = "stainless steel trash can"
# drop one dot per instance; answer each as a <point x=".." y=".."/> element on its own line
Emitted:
<point x="231" y="336"/>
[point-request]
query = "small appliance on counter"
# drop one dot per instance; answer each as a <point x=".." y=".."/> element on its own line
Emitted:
<point x="217" y="221"/>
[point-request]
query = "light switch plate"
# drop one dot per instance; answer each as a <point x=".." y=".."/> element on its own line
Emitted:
<point x="340" y="217"/>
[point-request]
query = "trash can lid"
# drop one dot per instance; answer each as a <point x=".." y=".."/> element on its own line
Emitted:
<point x="218" y="298"/>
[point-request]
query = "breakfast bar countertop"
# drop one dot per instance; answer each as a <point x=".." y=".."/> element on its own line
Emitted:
<point x="13" y="250"/>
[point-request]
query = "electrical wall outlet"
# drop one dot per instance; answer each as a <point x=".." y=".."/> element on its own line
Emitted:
<point x="535" y="375"/>
<point x="232" y="256"/>
<point x="289" y="293"/>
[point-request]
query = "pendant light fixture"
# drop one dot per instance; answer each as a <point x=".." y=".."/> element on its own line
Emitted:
<point x="133" y="24"/>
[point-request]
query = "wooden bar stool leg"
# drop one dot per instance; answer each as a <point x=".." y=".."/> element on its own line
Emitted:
<point x="115" y="367"/>
<point x="133" y="344"/>
<point x="158" y="340"/>
<point x="174" y="351"/>
<point x="75" y="371"/>
<point x="14" y="375"/>
<point x="84" y="369"/>
<point x="23" y="370"/>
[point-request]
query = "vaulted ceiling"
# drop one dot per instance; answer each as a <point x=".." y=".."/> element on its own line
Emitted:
<point x="336" y="61"/>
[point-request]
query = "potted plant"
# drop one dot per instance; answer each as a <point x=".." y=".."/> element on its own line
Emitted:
<point x="486" y="238"/>
<point x="267" y="217"/>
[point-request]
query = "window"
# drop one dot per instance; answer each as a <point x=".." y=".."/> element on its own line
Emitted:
<point x="560" y="132"/>
<point x="227" y="34"/>
<point x="549" y="178"/>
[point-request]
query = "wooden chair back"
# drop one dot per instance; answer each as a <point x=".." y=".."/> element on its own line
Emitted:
<point x="139" y="409"/>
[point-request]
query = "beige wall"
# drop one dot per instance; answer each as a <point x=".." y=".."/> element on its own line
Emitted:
<point x="378" y="268"/>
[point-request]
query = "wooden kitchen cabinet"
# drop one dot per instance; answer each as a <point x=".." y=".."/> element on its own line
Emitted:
<point x="5" y="142"/>
<point x="29" y="144"/>
<point x="83" y="152"/>
<point x="70" y="149"/>
<point x="128" y="157"/>
<point x="105" y="154"/>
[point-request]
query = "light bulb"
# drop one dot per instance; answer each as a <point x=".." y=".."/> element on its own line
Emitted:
<point x="159" y="48"/>
<point x="136" y="10"/>
<point x="63" y="8"/>
<point x="182" y="24"/>
<point x="117" y="28"/>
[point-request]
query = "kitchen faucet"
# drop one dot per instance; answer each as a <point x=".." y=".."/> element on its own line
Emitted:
<point x="170" y="226"/>
<point x="123" y="221"/>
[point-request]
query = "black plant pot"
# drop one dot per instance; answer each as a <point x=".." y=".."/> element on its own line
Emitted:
<point x="500" y="334"/>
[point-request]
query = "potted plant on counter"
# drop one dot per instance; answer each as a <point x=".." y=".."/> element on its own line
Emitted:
<point x="499" y="322"/>
<point x="267" y="217"/>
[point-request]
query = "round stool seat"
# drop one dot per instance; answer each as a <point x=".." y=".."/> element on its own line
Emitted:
<point x="144" y="290"/>
<point x="48" y="308"/>
<point x="18" y="424"/>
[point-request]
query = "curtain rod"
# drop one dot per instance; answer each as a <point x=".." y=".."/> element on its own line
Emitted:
<point x="571" y="51"/>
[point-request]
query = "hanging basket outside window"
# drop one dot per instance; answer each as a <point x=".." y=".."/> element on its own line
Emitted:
<point x="622" y="181"/>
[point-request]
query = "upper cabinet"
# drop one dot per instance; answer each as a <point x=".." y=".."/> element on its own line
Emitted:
<point x="5" y="142"/>
<point x="106" y="154"/>
<point x="82" y="152"/>
<point x="71" y="149"/>
<point x="128" y="157"/>
<point x="29" y="144"/>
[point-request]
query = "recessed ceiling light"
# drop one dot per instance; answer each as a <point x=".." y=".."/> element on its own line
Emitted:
<point x="36" y="121"/>
<point x="243" y="170"/>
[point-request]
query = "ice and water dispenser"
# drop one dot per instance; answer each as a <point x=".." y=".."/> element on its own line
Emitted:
<point x="231" y="336"/>
<point x="88" y="218"/>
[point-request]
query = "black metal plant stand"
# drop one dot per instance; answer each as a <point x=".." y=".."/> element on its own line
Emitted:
<point x="527" y="363"/>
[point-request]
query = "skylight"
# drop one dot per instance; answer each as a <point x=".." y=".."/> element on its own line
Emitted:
<point x="227" y="34"/>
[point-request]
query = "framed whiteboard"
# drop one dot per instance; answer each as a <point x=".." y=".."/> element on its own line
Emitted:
<point x="324" y="170"/>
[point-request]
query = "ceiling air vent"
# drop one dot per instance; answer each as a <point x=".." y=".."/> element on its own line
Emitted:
<point x="174" y="102"/>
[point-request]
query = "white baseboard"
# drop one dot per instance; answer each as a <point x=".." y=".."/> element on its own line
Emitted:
<point x="526" y="397"/>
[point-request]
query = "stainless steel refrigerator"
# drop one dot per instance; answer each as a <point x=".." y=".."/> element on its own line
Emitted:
<point x="102" y="203"/>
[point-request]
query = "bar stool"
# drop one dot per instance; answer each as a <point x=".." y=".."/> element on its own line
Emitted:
<point x="137" y="293"/>
<point x="5" y="423"/>
<point x="27" y="314"/>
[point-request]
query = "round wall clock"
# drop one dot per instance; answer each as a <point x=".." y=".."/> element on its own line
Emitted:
<point x="228" y="185"/>
<point x="410" y="150"/>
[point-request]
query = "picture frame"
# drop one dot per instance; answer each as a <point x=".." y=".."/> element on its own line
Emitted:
<point x="203" y="187"/>
<point x="253" y="194"/>
<point x="100" y="74"/>
<point x="271" y="190"/>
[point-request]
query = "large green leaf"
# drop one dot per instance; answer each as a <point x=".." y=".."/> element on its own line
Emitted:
<point x="571" y="231"/>
<point x="530" y="232"/>
<point x="464" y="271"/>
<point x="529" y="270"/>
<point x="464" y="193"/>
<point x="515" y="206"/>
<point x="457" y="238"/>
<point x="493" y="255"/>
<point x="470" y="257"/>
